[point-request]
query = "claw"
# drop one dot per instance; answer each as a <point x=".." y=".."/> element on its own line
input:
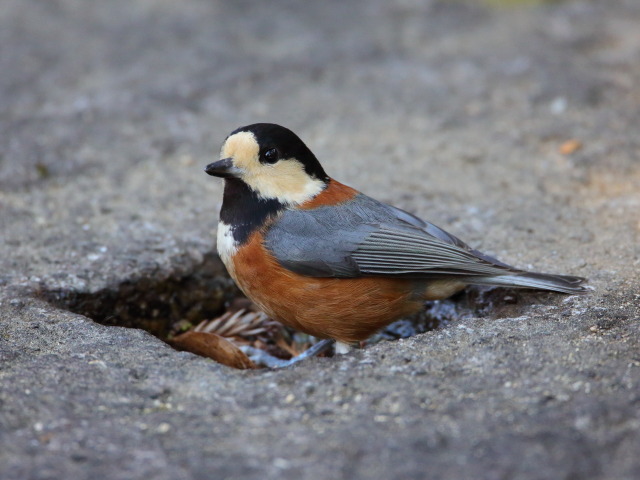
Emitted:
<point x="260" y="357"/>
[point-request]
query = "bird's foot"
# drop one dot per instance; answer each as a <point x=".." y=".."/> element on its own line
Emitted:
<point x="260" y="357"/>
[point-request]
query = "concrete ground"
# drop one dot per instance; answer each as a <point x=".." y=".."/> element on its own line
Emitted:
<point x="514" y="128"/>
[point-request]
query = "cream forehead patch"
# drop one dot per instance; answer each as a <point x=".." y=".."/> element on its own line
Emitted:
<point x="242" y="146"/>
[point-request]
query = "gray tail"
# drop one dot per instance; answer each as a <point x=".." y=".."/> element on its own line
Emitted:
<point x="542" y="281"/>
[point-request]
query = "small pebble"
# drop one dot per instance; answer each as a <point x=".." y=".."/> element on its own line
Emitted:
<point x="163" y="428"/>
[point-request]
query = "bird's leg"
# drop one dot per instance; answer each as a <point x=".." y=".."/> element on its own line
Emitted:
<point x="261" y="357"/>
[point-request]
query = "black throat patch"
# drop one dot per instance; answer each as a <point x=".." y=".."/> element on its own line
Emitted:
<point x="244" y="211"/>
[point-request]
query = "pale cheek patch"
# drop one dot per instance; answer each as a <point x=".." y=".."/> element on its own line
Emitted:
<point x="285" y="181"/>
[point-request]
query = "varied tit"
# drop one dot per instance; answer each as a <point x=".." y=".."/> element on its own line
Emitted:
<point x="328" y="260"/>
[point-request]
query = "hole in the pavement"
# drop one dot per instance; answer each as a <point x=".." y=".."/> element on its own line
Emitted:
<point x="166" y="306"/>
<point x="157" y="305"/>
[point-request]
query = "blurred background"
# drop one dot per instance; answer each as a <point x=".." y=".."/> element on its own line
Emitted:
<point x="433" y="105"/>
<point x="512" y="124"/>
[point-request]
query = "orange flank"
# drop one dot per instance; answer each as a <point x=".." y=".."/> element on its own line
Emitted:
<point x="346" y="309"/>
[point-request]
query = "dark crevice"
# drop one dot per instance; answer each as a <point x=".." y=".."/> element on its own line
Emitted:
<point x="157" y="305"/>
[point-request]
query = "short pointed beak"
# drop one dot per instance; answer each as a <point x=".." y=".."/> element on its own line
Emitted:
<point x="223" y="168"/>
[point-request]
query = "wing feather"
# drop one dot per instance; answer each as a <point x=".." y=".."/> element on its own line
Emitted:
<point x="365" y="237"/>
<point x="401" y="252"/>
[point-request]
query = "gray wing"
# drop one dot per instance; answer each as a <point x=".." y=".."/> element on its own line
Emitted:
<point x="364" y="237"/>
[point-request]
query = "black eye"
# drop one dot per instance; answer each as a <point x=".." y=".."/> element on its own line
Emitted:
<point x="271" y="156"/>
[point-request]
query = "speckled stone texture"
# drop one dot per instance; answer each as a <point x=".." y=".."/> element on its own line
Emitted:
<point x="455" y="111"/>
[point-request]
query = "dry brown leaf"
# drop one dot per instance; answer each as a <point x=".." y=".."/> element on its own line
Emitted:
<point x="213" y="346"/>
<point x="570" y="146"/>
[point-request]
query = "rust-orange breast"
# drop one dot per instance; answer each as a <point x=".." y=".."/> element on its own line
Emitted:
<point x="346" y="309"/>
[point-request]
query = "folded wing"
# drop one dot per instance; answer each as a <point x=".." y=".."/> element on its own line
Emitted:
<point x="364" y="237"/>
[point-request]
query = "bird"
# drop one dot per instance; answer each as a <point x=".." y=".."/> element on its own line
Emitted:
<point x="328" y="260"/>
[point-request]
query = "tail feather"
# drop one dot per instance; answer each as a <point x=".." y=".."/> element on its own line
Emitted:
<point x="542" y="281"/>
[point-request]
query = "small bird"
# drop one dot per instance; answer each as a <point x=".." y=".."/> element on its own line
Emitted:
<point x="328" y="260"/>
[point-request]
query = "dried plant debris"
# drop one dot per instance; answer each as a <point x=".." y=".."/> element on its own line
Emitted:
<point x="243" y="325"/>
<point x="570" y="147"/>
<point x="213" y="346"/>
<point x="223" y="337"/>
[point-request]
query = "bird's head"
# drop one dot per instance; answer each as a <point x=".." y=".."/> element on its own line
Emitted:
<point x="272" y="161"/>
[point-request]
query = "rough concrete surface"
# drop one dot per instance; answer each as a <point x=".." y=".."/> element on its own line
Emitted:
<point x="454" y="111"/>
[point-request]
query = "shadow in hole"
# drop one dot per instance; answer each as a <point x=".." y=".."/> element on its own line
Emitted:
<point x="156" y="305"/>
